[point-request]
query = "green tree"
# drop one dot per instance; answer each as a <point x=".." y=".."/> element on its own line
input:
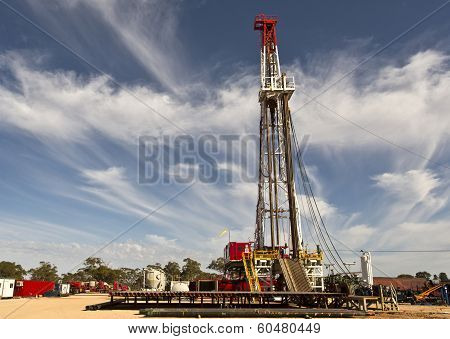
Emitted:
<point x="11" y="270"/>
<point x="443" y="276"/>
<point x="131" y="277"/>
<point x="45" y="271"/>
<point x="157" y="265"/>
<point x="172" y="271"/>
<point x="217" y="265"/>
<point x="191" y="269"/>
<point x="77" y="276"/>
<point x="207" y="276"/>
<point x="96" y="269"/>
<point x="423" y="274"/>
<point x="405" y="276"/>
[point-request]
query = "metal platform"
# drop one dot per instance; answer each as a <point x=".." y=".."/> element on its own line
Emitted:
<point x="235" y="299"/>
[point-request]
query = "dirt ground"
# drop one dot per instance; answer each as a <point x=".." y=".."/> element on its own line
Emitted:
<point x="408" y="311"/>
<point x="61" y="308"/>
<point x="73" y="308"/>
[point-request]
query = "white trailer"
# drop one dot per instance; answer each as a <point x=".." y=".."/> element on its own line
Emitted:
<point x="64" y="289"/>
<point x="6" y="288"/>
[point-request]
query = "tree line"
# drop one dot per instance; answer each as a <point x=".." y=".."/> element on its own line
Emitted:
<point x="424" y="274"/>
<point x="96" y="269"/>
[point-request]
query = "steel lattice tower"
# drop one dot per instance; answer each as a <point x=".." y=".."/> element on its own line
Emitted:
<point x="277" y="217"/>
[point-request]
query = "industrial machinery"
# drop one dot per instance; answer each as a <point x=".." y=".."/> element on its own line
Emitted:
<point x="279" y="259"/>
<point x="280" y="267"/>
<point x="422" y="296"/>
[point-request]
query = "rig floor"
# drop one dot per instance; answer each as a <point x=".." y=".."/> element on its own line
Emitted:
<point x="238" y="303"/>
<point x="235" y="299"/>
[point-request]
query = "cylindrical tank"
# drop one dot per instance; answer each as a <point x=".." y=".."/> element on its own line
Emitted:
<point x="91" y="284"/>
<point x="179" y="286"/>
<point x="366" y="268"/>
<point x="155" y="279"/>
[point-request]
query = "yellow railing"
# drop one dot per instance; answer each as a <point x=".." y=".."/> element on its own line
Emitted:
<point x="266" y="254"/>
<point x="303" y="254"/>
<point x="250" y="272"/>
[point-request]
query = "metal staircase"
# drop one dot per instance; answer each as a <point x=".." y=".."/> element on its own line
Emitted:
<point x="295" y="275"/>
<point x="250" y="272"/>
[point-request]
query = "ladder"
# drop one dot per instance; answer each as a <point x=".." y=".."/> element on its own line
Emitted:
<point x="394" y="299"/>
<point x="250" y="272"/>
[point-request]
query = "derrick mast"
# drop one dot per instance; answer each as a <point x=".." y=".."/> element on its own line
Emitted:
<point x="277" y="259"/>
<point x="277" y="217"/>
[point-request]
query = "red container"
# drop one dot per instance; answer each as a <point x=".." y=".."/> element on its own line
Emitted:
<point x="32" y="288"/>
<point x="234" y="250"/>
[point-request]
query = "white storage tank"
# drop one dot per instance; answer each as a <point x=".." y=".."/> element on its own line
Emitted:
<point x="179" y="286"/>
<point x="92" y="284"/>
<point x="366" y="268"/>
<point x="155" y="279"/>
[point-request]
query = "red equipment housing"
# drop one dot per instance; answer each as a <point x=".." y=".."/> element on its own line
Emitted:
<point x="233" y="251"/>
<point x="233" y="285"/>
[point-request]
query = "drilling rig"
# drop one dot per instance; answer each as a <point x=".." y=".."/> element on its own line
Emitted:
<point x="277" y="258"/>
<point x="277" y="268"/>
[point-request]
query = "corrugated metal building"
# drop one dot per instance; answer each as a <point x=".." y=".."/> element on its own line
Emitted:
<point x="402" y="284"/>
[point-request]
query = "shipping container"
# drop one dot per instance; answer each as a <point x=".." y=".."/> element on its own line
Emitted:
<point x="32" y="288"/>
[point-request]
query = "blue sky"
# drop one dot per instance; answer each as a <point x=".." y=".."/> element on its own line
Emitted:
<point x="69" y="135"/>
